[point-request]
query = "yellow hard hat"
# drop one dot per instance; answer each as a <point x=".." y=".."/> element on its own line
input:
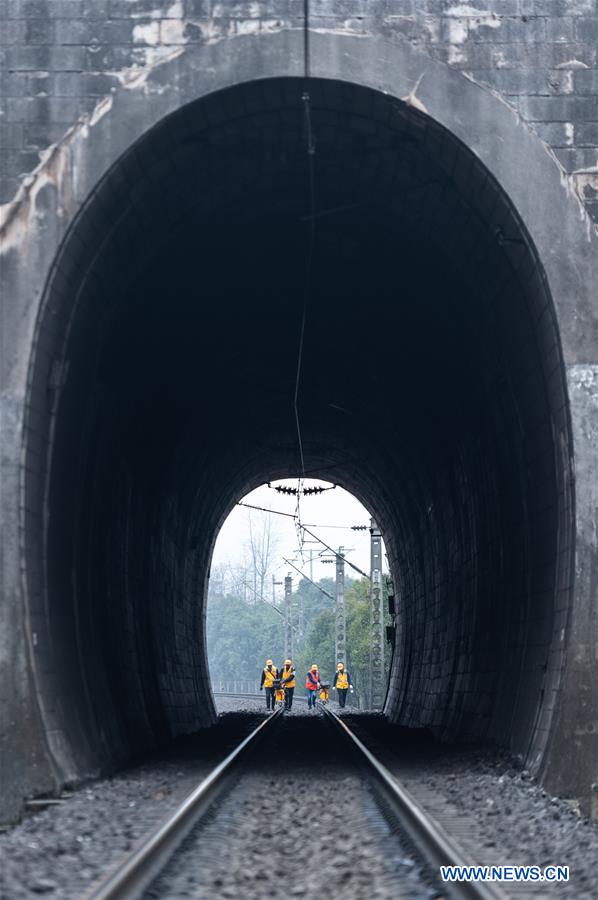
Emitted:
<point x="340" y="666"/>
<point x="268" y="662"/>
<point x="314" y="666"/>
<point x="287" y="662"/>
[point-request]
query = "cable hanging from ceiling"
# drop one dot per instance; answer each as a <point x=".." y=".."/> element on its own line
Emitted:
<point x="311" y="149"/>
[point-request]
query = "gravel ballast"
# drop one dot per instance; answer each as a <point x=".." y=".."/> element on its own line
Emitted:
<point x="493" y="807"/>
<point x="61" y="851"/>
<point x="503" y="814"/>
<point x="300" y="822"/>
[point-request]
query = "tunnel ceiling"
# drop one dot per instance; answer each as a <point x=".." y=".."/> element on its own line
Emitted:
<point x="431" y="387"/>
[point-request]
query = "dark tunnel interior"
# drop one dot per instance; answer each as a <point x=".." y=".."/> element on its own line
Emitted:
<point x="162" y="390"/>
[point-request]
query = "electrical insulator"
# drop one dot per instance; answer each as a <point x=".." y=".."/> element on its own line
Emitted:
<point x="282" y="489"/>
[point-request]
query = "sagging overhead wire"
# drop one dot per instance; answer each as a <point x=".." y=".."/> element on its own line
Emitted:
<point x="278" y="512"/>
<point x="311" y="149"/>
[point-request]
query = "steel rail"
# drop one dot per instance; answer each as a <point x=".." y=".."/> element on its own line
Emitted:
<point x="248" y="695"/>
<point x="131" y="877"/>
<point x="432" y="841"/>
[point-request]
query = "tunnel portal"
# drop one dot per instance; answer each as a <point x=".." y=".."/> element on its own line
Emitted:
<point x="432" y="388"/>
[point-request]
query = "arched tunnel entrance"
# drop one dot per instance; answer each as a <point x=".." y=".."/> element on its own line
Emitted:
<point x="432" y="388"/>
<point x="291" y="577"/>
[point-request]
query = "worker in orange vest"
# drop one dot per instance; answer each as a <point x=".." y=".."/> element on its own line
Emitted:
<point x="287" y="680"/>
<point x="312" y="683"/>
<point x="269" y="676"/>
<point x="342" y="683"/>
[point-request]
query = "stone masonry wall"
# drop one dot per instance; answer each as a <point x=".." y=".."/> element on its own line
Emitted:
<point x="59" y="58"/>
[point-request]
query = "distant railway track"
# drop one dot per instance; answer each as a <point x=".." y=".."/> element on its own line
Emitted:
<point x="433" y="847"/>
<point x="248" y="695"/>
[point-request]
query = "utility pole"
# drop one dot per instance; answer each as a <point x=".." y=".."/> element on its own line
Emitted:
<point x="310" y="578"/>
<point x="275" y="584"/>
<point x="340" y="633"/>
<point x="301" y="618"/>
<point x="288" y="620"/>
<point x="376" y="620"/>
<point x="312" y="553"/>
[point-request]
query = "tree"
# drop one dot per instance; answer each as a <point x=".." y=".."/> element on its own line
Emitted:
<point x="240" y="637"/>
<point x="319" y="643"/>
<point x="318" y="647"/>
<point x="358" y="637"/>
<point x="262" y="545"/>
<point x="312" y="600"/>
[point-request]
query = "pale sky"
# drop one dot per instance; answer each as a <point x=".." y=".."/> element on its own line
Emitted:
<point x="331" y="514"/>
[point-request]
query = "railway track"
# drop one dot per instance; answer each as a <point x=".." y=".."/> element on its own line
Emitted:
<point x="249" y="695"/>
<point x="129" y="879"/>
<point x="434" y="845"/>
<point x="424" y="838"/>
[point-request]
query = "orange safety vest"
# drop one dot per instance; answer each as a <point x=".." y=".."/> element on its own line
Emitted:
<point x="309" y="684"/>
<point x="284" y="673"/>
<point x="342" y="681"/>
<point x="269" y="676"/>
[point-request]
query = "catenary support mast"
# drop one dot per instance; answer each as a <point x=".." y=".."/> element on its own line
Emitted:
<point x="288" y="617"/>
<point x="376" y="692"/>
<point x="340" y="642"/>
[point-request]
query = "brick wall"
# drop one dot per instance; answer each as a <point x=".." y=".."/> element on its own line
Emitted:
<point x="58" y="57"/>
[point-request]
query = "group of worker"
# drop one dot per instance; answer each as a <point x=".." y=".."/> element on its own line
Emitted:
<point x="279" y="684"/>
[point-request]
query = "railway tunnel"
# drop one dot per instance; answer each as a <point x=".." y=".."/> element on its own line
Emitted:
<point x="432" y="387"/>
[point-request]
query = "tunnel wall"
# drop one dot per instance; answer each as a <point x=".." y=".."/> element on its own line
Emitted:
<point x="66" y="178"/>
<point x="61" y="57"/>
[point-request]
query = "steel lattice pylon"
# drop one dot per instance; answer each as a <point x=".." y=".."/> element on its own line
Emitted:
<point x="340" y="634"/>
<point x="376" y="621"/>
<point x="288" y="617"/>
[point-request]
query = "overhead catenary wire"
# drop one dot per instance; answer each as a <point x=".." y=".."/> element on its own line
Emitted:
<point x="298" y="530"/>
<point x="278" y="512"/>
<point x="332" y="550"/>
<point x="271" y="605"/>
<point x="303" y="575"/>
<point x="306" y="44"/>
<point x="275" y="512"/>
<point x="311" y="149"/>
